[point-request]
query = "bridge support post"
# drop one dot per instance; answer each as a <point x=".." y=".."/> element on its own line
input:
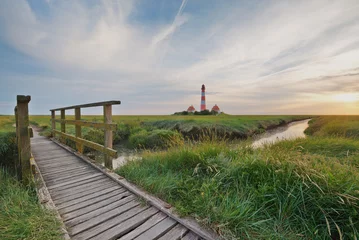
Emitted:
<point x="78" y="133"/>
<point x="63" y="125"/>
<point x="107" y="113"/>
<point x="53" y="123"/>
<point x="23" y="139"/>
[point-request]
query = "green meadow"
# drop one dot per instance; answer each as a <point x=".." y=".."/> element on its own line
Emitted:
<point x="299" y="189"/>
<point x="295" y="189"/>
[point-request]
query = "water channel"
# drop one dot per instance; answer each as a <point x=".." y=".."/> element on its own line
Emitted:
<point x="290" y="131"/>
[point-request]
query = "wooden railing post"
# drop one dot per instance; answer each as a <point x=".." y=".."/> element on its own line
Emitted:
<point x="53" y="123"/>
<point x="63" y="124"/>
<point x="107" y="113"/>
<point x="23" y="136"/>
<point x="17" y="161"/>
<point x="79" y="145"/>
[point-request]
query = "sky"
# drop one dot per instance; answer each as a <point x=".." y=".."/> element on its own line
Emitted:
<point x="255" y="57"/>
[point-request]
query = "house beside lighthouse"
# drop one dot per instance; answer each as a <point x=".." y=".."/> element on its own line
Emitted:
<point x="191" y="109"/>
<point x="216" y="109"/>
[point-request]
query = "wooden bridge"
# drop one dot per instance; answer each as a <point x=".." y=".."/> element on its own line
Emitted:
<point x="91" y="200"/>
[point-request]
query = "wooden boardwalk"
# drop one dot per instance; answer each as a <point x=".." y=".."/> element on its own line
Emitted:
<point x="94" y="206"/>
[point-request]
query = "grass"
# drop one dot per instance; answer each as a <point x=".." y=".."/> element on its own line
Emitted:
<point x="21" y="217"/>
<point x="335" y="126"/>
<point x="146" y="128"/>
<point x="298" y="189"/>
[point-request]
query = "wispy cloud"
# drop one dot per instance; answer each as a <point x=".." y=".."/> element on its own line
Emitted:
<point x="246" y="53"/>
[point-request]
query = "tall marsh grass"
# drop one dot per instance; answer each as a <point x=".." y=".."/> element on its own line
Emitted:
<point x="268" y="193"/>
<point x="21" y="217"/>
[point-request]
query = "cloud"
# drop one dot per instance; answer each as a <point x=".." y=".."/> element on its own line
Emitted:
<point x="269" y="54"/>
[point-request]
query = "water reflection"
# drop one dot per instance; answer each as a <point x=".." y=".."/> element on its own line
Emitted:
<point x="291" y="131"/>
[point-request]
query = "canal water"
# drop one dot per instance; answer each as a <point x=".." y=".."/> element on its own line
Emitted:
<point x="290" y="131"/>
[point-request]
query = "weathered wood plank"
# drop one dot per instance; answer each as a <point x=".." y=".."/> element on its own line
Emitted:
<point x="93" y="231"/>
<point x="54" y="155"/>
<point x="67" y="178"/>
<point x="96" y="104"/>
<point x="59" y="160"/>
<point x="79" y="188"/>
<point x="74" y="181"/>
<point x="145" y="226"/>
<point x="79" y="183"/>
<point x="96" y="146"/>
<point x="95" y="195"/>
<point x="101" y="218"/>
<point x="61" y="171"/>
<point x="90" y="202"/>
<point x="99" y="211"/>
<point x="64" y="198"/>
<point x="54" y="164"/>
<point x="68" y="173"/>
<point x="122" y="227"/>
<point x="158" y="230"/>
<point x="90" y="208"/>
<point x="175" y="233"/>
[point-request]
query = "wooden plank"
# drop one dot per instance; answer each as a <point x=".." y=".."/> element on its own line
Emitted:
<point x="83" y="123"/>
<point x="98" y="147"/>
<point x="90" y="202"/>
<point x="102" y="218"/>
<point x="94" y="230"/>
<point x="61" y="171"/>
<point x="122" y="227"/>
<point x="96" y="104"/>
<point x="176" y="233"/>
<point x="190" y="236"/>
<point x="38" y="147"/>
<point x="53" y="177"/>
<point x="54" y="154"/>
<point x="99" y="211"/>
<point x="90" y="208"/>
<point x="67" y="183"/>
<point x="60" y="164"/>
<point x="70" y="159"/>
<point x="93" y="189"/>
<point x="80" y="188"/>
<point x="158" y="230"/>
<point x="79" y="183"/>
<point x="67" y="178"/>
<point x="68" y="173"/>
<point x="145" y="226"/>
<point x="75" y="201"/>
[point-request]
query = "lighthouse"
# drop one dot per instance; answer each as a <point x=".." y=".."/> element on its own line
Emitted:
<point x="203" y="98"/>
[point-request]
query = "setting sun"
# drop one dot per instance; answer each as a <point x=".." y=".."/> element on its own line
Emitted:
<point x="346" y="97"/>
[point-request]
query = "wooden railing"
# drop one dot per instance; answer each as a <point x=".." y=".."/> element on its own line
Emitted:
<point x="107" y="126"/>
<point x="23" y="135"/>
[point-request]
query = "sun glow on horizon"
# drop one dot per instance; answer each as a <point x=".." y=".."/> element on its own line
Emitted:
<point x="346" y="97"/>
